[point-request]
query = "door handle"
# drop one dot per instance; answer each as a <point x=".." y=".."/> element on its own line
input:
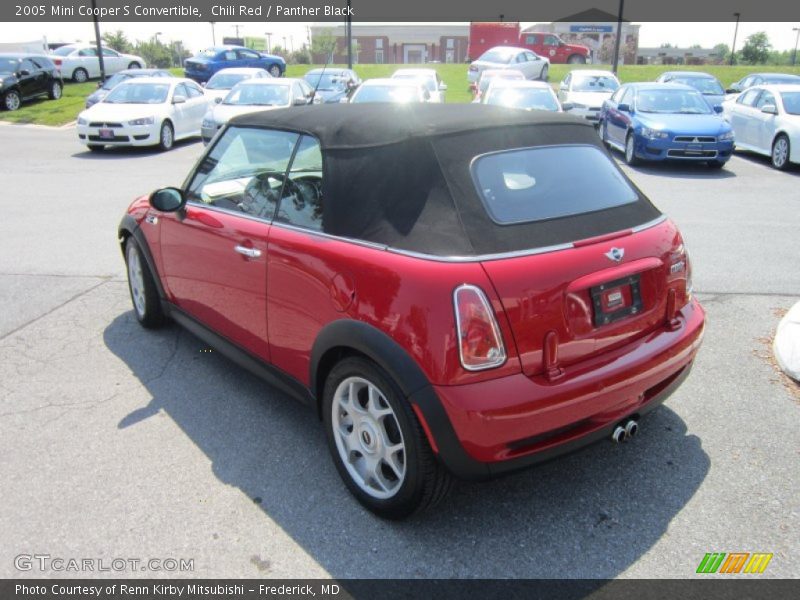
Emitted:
<point x="248" y="252"/>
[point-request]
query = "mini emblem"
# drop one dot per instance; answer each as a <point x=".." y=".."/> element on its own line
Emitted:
<point x="616" y="254"/>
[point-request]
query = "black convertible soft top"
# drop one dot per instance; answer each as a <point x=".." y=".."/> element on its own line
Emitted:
<point x="400" y="175"/>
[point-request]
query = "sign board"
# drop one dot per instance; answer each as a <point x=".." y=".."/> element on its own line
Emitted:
<point x="591" y="28"/>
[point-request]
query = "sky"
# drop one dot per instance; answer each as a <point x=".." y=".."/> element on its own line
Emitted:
<point x="198" y="35"/>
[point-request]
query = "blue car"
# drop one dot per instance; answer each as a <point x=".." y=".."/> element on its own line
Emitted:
<point x="663" y="121"/>
<point x="705" y="83"/>
<point x="209" y="61"/>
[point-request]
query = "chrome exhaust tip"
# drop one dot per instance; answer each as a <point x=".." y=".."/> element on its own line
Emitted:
<point x="631" y="429"/>
<point x="619" y="435"/>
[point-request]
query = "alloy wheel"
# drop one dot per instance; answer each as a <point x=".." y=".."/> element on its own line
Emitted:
<point x="136" y="278"/>
<point x="780" y="152"/>
<point x="368" y="437"/>
<point x="12" y="101"/>
<point x="167" y="137"/>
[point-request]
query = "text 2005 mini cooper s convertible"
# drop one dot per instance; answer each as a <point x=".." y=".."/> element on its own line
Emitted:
<point x="457" y="290"/>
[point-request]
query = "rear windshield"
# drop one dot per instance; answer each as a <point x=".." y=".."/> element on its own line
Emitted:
<point x="497" y="56"/>
<point x="536" y="184"/>
<point x="225" y="81"/>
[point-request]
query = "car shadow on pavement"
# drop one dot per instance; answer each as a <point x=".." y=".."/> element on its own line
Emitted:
<point x="682" y="170"/>
<point x="118" y="152"/>
<point x="591" y="514"/>
<point x="760" y="159"/>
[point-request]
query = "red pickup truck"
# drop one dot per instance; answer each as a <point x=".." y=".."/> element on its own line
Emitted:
<point x="483" y="36"/>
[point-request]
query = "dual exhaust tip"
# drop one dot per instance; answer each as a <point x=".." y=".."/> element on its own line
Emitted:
<point x="625" y="431"/>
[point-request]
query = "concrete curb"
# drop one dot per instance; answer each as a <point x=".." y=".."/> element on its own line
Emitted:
<point x="69" y="125"/>
<point x="786" y="345"/>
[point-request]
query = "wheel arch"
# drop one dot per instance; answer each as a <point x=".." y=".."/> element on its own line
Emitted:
<point x="347" y="337"/>
<point x="129" y="228"/>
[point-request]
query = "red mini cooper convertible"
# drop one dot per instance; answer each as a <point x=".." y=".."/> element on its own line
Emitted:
<point x="455" y="289"/>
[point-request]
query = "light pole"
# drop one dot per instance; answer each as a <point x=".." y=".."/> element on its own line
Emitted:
<point x="269" y="40"/>
<point x="796" y="39"/>
<point x="213" y="33"/>
<point x="158" y="33"/>
<point x="618" y="41"/>
<point x="97" y="42"/>
<point x="735" y="31"/>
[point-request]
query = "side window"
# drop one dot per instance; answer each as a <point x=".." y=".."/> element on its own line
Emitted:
<point x="109" y="52"/>
<point x="615" y="97"/>
<point x="248" y="54"/>
<point x="764" y="99"/>
<point x="180" y="90"/>
<point x="749" y="97"/>
<point x="531" y="39"/>
<point x="43" y="63"/>
<point x="229" y="55"/>
<point x="627" y="97"/>
<point x="297" y="92"/>
<point x="27" y="65"/>
<point x="88" y="52"/>
<point x="530" y="56"/>
<point x="245" y="171"/>
<point x="194" y="91"/>
<point x="567" y="80"/>
<point x="301" y="200"/>
<point x="521" y="58"/>
<point x="551" y="40"/>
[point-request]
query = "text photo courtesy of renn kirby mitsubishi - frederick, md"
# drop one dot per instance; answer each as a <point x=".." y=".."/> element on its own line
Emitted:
<point x="359" y="299"/>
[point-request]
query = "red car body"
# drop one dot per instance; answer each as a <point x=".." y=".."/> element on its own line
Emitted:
<point x="305" y="298"/>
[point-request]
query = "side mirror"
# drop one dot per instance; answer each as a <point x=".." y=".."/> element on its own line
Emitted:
<point x="217" y="100"/>
<point x="178" y="99"/>
<point x="732" y="90"/>
<point x="344" y="101"/>
<point x="718" y="108"/>
<point x="443" y="87"/>
<point x="567" y="105"/>
<point x="24" y="72"/>
<point x="300" y="101"/>
<point x="624" y="107"/>
<point x="167" y="199"/>
<point x="769" y="109"/>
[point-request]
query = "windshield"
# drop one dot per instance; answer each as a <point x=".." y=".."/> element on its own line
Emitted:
<point x="535" y="184"/>
<point x="225" y="81"/>
<point x="387" y="93"/>
<point x="115" y="80"/>
<point x="486" y="78"/>
<point x="707" y="86"/>
<point x="64" y="51"/>
<point x="139" y="93"/>
<point x="528" y="98"/>
<point x="596" y="83"/>
<point x="426" y="80"/>
<point x="791" y="102"/>
<point x="9" y="64"/>
<point x="327" y="81"/>
<point x="497" y="56"/>
<point x="258" y="95"/>
<point x="781" y="79"/>
<point x="672" y="101"/>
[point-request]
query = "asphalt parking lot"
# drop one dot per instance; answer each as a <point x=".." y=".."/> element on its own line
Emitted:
<point x="122" y="443"/>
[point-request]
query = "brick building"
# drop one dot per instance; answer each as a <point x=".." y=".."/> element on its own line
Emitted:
<point x="398" y="44"/>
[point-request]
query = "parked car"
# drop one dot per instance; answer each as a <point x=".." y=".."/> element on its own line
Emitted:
<point x="202" y="66"/>
<point x="332" y="85"/>
<point x="479" y="289"/>
<point x="480" y="85"/>
<point x="706" y="84"/>
<point x="660" y="121"/>
<point x="752" y="79"/>
<point x="151" y="111"/>
<point x="80" y="63"/>
<point x="253" y="95"/>
<point x="400" y="91"/>
<point x="224" y="80"/>
<point x="527" y="95"/>
<point x="529" y="63"/>
<point x="104" y="87"/>
<point x="582" y="92"/>
<point x="766" y="120"/>
<point x="27" y="76"/>
<point x="430" y="79"/>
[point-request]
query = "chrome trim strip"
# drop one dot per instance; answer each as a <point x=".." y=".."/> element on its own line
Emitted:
<point x="649" y="224"/>
<point x="330" y="236"/>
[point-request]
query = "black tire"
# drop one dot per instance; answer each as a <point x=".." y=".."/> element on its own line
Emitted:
<point x="166" y="137"/>
<point x="426" y="481"/>
<point x="274" y="70"/>
<point x="715" y="164"/>
<point x="96" y="147"/>
<point x="545" y="74"/>
<point x="576" y="59"/>
<point x="12" y="100"/>
<point x="134" y="65"/>
<point x="604" y="135"/>
<point x="144" y="295"/>
<point x="779" y="158"/>
<point x="80" y="75"/>
<point x="630" y="157"/>
<point x="55" y="90"/>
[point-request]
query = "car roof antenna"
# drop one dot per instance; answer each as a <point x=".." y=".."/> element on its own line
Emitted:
<point x="321" y="75"/>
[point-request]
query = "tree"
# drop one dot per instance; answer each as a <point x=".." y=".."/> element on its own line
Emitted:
<point x="666" y="45"/>
<point x="117" y="41"/>
<point x="756" y="49"/>
<point x="155" y="53"/>
<point x="323" y="44"/>
<point x="721" y="53"/>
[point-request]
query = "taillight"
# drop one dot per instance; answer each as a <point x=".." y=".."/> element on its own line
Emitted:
<point x="687" y="260"/>
<point x="480" y="345"/>
<point x="57" y="62"/>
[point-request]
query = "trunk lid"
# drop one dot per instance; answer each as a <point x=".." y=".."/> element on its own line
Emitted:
<point x="572" y="304"/>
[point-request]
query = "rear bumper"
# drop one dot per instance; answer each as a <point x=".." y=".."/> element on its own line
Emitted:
<point x="501" y="425"/>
